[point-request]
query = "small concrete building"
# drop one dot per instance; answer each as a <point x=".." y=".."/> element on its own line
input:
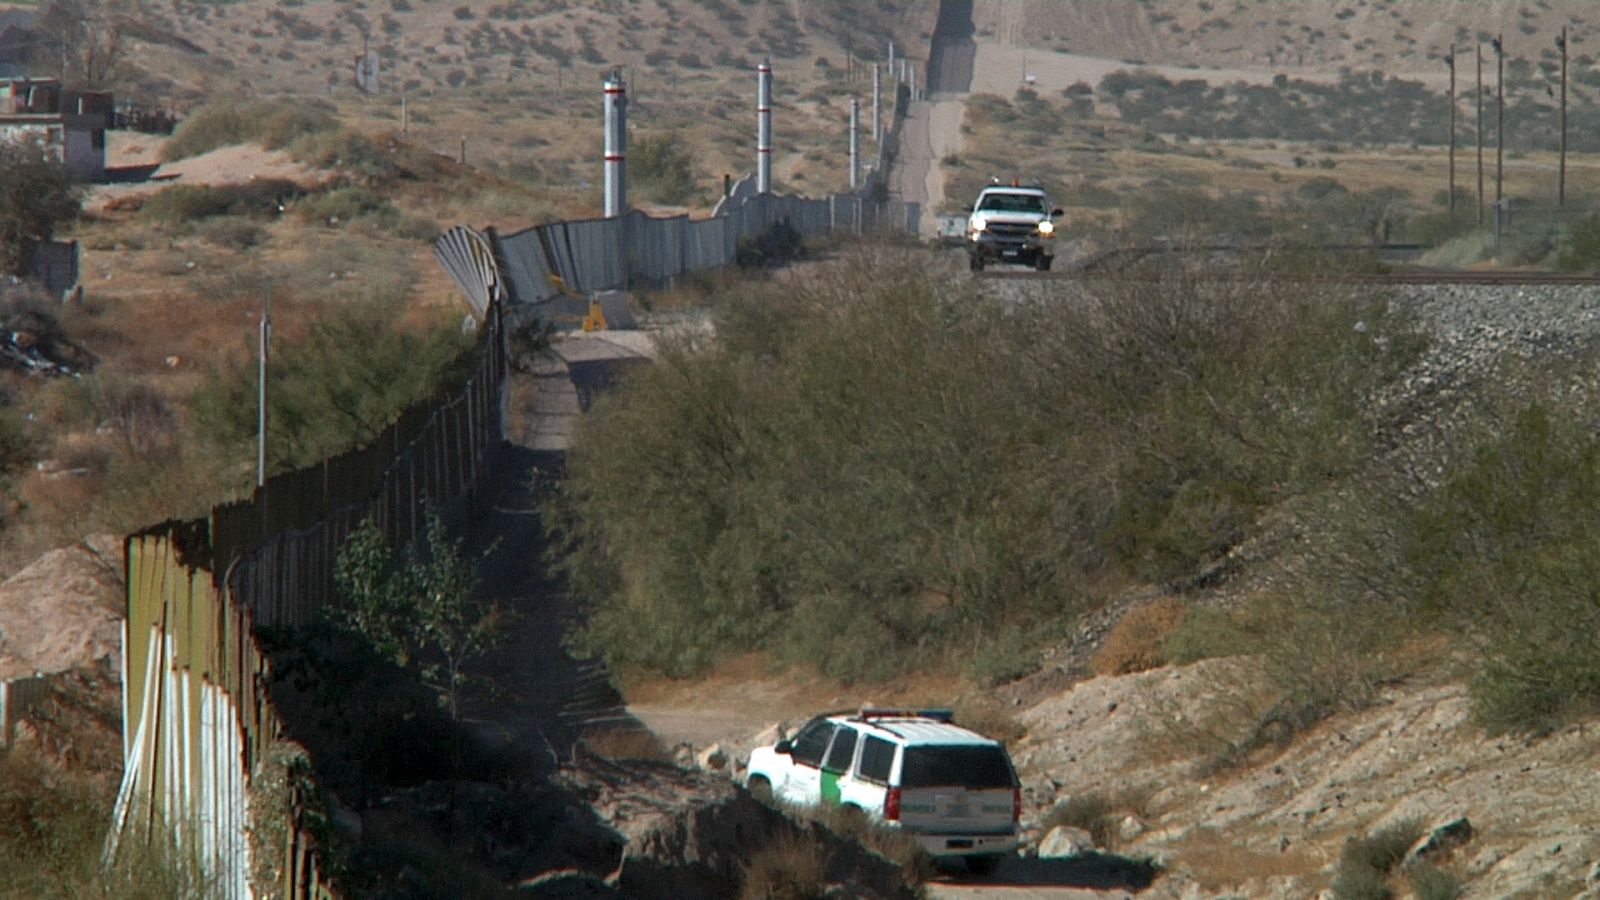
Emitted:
<point x="70" y="125"/>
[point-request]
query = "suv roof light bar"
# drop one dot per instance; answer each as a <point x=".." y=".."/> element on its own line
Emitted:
<point x="938" y="715"/>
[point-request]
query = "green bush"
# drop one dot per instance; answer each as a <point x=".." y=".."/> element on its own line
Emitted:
<point x="1093" y="812"/>
<point x="863" y="472"/>
<point x="1433" y="883"/>
<point x="662" y="168"/>
<point x="341" y="206"/>
<point x="1505" y="552"/>
<point x="271" y="123"/>
<point x="1365" y="863"/>
<point x="344" y="150"/>
<point x="1580" y="252"/>
<point x="336" y="387"/>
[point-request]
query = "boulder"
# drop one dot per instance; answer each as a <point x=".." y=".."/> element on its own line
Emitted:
<point x="568" y="884"/>
<point x="64" y="610"/>
<point x="1066" y="842"/>
<point x="712" y="759"/>
<point x="691" y="833"/>
<point x="1440" y="839"/>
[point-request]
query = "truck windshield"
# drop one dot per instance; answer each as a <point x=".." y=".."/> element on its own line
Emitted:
<point x="964" y="766"/>
<point x="1023" y="203"/>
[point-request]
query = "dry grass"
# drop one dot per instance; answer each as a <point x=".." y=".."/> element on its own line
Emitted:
<point x="790" y="868"/>
<point x="624" y="743"/>
<point x="1135" y="644"/>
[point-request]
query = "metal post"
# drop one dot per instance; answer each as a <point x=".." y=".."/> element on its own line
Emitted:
<point x="912" y="72"/>
<point x="764" y="127"/>
<point x="264" y="348"/>
<point x="1500" y="124"/>
<point x="1561" y="179"/>
<point x="616" y="145"/>
<point x="405" y="119"/>
<point x="877" y="95"/>
<point x="1450" y="60"/>
<point x="891" y="61"/>
<point x="855" y="155"/>
<point x="1479" y="50"/>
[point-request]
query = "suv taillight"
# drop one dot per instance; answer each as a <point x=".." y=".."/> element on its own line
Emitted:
<point x="1016" y="804"/>
<point x="891" y="805"/>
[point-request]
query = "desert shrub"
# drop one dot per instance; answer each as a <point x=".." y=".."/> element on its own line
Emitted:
<point x="182" y="204"/>
<point x="342" y="206"/>
<point x="334" y="388"/>
<point x="1137" y="641"/>
<point x="235" y="234"/>
<point x="1433" y="883"/>
<point x="1581" y="250"/>
<point x="661" y="167"/>
<point x="871" y="467"/>
<point x="1094" y="812"/>
<point x="36" y="196"/>
<point x="1503" y="553"/>
<point x="273" y="124"/>
<point x="624" y="743"/>
<point x="790" y="868"/>
<point x="345" y="150"/>
<point x="1366" y="862"/>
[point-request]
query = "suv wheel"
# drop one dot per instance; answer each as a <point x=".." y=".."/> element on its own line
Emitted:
<point x="975" y="262"/>
<point x="761" y="789"/>
<point x="1042" y="263"/>
<point x="982" y="865"/>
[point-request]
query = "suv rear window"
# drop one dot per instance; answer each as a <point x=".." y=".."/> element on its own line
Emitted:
<point x="963" y="766"/>
<point x="877" y="757"/>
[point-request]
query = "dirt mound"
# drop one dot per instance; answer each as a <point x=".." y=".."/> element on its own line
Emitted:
<point x="64" y="611"/>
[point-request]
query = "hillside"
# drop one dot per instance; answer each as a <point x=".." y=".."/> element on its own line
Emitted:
<point x="1237" y="786"/>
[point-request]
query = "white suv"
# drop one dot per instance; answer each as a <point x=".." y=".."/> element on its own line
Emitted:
<point x="953" y="790"/>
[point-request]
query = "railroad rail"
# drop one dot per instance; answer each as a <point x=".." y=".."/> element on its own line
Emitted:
<point x="1381" y="264"/>
<point x="1507" y="277"/>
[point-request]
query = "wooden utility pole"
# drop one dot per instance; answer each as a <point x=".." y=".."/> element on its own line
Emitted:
<point x="1561" y="178"/>
<point x="1450" y="60"/>
<point x="1479" y="50"/>
<point x="1500" y="121"/>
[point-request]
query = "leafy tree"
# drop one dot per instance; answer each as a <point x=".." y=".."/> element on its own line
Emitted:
<point x="86" y="38"/>
<point x="35" y="197"/>
<point x="335" y="387"/>
<point x="421" y="615"/>
<point x="663" y="168"/>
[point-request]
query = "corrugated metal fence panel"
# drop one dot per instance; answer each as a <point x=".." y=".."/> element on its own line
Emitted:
<point x="526" y="267"/>
<point x="19" y="697"/>
<point x="596" y="248"/>
<point x="198" y="715"/>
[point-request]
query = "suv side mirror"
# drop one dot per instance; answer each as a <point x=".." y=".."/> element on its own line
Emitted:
<point x="784" y="747"/>
<point x="1056" y="213"/>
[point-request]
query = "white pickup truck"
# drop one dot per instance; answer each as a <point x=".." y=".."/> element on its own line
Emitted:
<point x="1012" y="223"/>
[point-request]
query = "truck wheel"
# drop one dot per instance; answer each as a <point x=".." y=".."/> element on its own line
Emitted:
<point x="761" y="789"/>
<point x="975" y="262"/>
<point x="1042" y="263"/>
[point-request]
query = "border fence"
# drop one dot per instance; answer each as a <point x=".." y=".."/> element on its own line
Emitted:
<point x="549" y="268"/>
<point x="198" y="719"/>
<point x="199" y="725"/>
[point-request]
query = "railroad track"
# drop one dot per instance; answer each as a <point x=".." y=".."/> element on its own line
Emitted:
<point x="1394" y="261"/>
<point x="1398" y="276"/>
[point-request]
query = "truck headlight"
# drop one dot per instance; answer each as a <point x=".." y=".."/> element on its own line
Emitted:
<point x="1047" y="228"/>
<point x="977" y="224"/>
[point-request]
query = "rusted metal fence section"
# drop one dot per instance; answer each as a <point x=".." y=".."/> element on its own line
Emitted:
<point x="21" y="696"/>
<point x="198" y="719"/>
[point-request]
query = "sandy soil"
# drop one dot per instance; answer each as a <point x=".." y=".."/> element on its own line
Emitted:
<point x="225" y="165"/>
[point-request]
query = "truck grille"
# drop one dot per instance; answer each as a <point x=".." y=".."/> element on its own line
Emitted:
<point x="1012" y="232"/>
